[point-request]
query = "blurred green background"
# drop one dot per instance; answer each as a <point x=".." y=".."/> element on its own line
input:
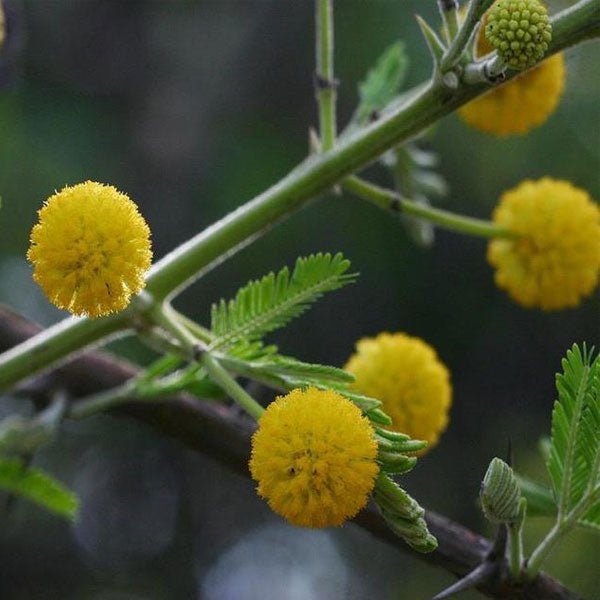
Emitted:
<point x="192" y="108"/>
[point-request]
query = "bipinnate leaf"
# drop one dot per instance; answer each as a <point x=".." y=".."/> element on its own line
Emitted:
<point x="591" y="519"/>
<point x="403" y="514"/>
<point x="574" y="458"/>
<point x="383" y="81"/>
<point x="37" y="486"/>
<point x="271" y="302"/>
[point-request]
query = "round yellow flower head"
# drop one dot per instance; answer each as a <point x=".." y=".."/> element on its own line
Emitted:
<point x="90" y="249"/>
<point x="555" y="260"/>
<point x="314" y="458"/>
<point x="522" y="103"/>
<point x="405" y="373"/>
<point x="519" y="30"/>
<point x="519" y="105"/>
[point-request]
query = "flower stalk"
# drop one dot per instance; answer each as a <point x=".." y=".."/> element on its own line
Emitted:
<point x="391" y="200"/>
<point x="231" y="387"/>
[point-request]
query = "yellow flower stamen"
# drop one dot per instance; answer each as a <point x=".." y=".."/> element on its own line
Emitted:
<point x="524" y="102"/>
<point x="405" y="373"/>
<point x="555" y="260"/>
<point x="90" y="249"/>
<point x="314" y="458"/>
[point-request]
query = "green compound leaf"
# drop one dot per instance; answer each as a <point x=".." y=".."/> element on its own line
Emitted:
<point x="403" y="514"/>
<point x="591" y="519"/>
<point x="271" y="302"/>
<point x="540" y="500"/>
<point x="288" y="373"/>
<point x="383" y="81"/>
<point x="37" y="486"/>
<point x="287" y="366"/>
<point x="574" y="459"/>
<point x="541" y="503"/>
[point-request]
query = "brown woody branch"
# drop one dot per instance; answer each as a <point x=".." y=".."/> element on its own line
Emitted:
<point x="214" y="430"/>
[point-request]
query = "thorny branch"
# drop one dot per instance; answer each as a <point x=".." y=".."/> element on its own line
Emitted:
<point x="214" y="430"/>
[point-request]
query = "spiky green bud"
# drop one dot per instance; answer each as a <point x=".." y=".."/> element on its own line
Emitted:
<point x="500" y="493"/>
<point x="520" y="31"/>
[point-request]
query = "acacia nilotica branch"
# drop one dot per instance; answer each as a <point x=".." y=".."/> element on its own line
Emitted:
<point x="314" y="176"/>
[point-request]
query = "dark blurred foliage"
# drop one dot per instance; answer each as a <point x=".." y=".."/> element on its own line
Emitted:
<point x="193" y="107"/>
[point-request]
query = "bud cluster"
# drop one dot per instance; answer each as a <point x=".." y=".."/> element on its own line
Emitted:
<point x="520" y="31"/>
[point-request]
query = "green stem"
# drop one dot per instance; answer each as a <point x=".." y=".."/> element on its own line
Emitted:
<point x="326" y="84"/>
<point x="163" y="315"/>
<point x="561" y="528"/>
<point x="315" y="175"/>
<point x="515" y="540"/>
<point x="391" y="200"/>
<point x="459" y="43"/>
<point x="516" y="550"/>
<point x="53" y="344"/>
<point x="101" y="402"/>
<point x="449" y="12"/>
<point x="196" y="329"/>
<point x="575" y="24"/>
<point x="230" y="386"/>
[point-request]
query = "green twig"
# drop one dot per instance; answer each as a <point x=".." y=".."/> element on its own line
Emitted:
<point x="515" y="541"/>
<point x="561" y="528"/>
<point x="465" y="32"/>
<point x="230" y="386"/>
<point x="54" y="343"/>
<point x="102" y="401"/>
<point x="325" y="81"/>
<point x="167" y="318"/>
<point x="449" y="14"/>
<point x="391" y="200"/>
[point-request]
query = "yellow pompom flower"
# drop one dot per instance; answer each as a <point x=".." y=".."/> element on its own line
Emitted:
<point x="524" y="102"/>
<point x="555" y="260"/>
<point x="405" y="373"/>
<point x="314" y="458"/>
<point x="90" y="249"/>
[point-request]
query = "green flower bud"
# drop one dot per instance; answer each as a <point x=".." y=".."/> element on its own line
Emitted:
<point x="500" y="493"/>
<point x="520" y="31"/>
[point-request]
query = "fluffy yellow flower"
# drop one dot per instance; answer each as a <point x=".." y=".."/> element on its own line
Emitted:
<point x="90" y="249"/>
<point x="555" y="260"/>
<point x="405" y="373"/>
<point x="314" y="458"/>
<point x="524" y="102"/>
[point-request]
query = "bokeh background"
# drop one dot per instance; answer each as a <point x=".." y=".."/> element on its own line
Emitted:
<point x="193" y="107"/>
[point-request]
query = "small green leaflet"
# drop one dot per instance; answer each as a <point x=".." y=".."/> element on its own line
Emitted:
<point x="271" y="302"/>
<point x="540" y="501"/>
<point x="383" y="81"/>
<point x="574" y="458"/>
<point x="37" y="486"/>
<point x="288" y="373"/>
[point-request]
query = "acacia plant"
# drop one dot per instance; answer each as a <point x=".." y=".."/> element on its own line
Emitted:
<point x="335" y="438"/>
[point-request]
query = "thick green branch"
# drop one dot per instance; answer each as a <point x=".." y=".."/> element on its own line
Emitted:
<point x="311" y="178"/>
